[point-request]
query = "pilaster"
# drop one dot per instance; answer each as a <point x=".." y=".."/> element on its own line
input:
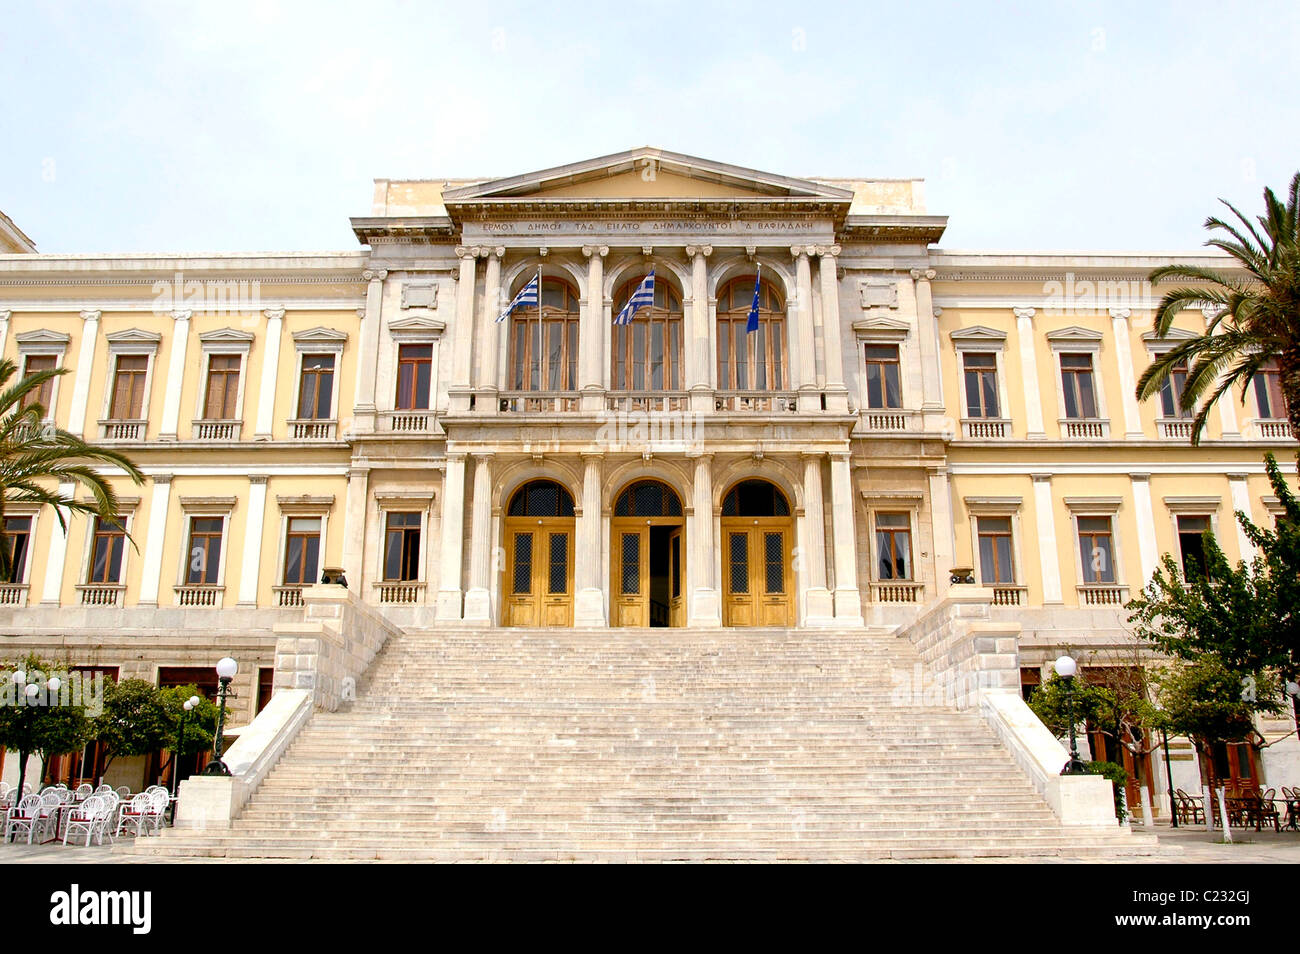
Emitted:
<point x="251" y="565"/>
<point x="1127" y="380"/>
<point x="591" y="331"/>
<point x="354" y="528"/>
<point x="459" y="391"/>
<point x="706" y="606"/>
<point x="837" y="395"/>
<point x="819" y="606"/>
<point x="1146" y="527"/>
<point x="1049" y="562"/>
<point x="450" y="552"/>
<point x="1029" y="374"/>
<point x="264" y="430"/>
<point x="848" y="600"/>
<point x="1240" y="495"/>
<point x="151" y="569"/>
<point x="589" y="600"/>
<point x="85" y="366"/>
<point x="927" y="330"/>
<point x="363" y="407"/>
<point x="478" y="599"/>
<point x="699" y="335"/>
<point x="800" y="312"/>
<point x="55" y="564"/>
<point x="944" y="547"/>
<point x="489" y="333"/>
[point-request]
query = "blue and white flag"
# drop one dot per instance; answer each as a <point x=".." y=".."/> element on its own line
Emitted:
<point x="643" y="297"/>
<point x="752" y="323"/>
<point x="530" y="294"/>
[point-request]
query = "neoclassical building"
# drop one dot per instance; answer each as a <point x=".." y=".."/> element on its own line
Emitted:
<point x="901" y="410"/>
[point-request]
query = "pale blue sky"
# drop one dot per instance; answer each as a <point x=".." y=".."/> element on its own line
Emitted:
<point x="259" y="126"/>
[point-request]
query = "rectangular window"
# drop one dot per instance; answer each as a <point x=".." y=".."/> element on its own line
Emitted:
<point x="204" y="551"/>
<point x="45" y="393"/>
<point x="1268" y="391"/>
<point x="1191" y="545"/>
<point x="1096" y="550"/>
<point x="893" y="546"/>
<point x="402" y="547"/>
<point x="1171" y="392"/>
<point x="884" y="389"/>
<point x="222" y="399"/>
<point x="414" y="371"/>
<point x="981" y="369"/>
<point x="995" y="550"/>
<point x="128" y="388"/>
<point x="302" y="551"/>
<point x="106" y="550"/>
<point x="17" y="540"/>
<point x="1076" y="382"/>
<point x="316" y="389"/>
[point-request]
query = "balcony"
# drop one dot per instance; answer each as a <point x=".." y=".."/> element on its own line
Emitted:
<point x="288" y="595"/>
<point x="985" y="428"/>
<point x="890" y="420"/>
<point x="1102" y="594"/>
<point x="310" y="430"/>
<point x="1174" y="429"/>
<point x="756" y="401"/>
<point x="216" y="430"/>
<point x="122" y="430"/>
<point x="415" y="421"/>
<point x="101" y="594"/>
<point x="399" y="592"/>
<point x="1272" y="429"/>
<point x="897" y="592"/>
<point x="1008" y="594"/>
<point x="538" y="402"/>
<point x="199" y="594"/>
<point x="13" y="594"/>
<point x="1085" y="428"/>
<point x="625" y="402"/>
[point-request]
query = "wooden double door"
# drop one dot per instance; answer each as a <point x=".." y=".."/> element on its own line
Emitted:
<point x="756" y="570"/>
<point x="648" y="584"/>
<point x="539" y="572"/>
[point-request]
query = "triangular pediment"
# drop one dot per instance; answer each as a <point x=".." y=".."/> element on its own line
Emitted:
<point x="226" y="335"/>
<point x="1074" y="333"/>
<point x="978" y="333"/>
<point x="133" y="336"/>
<point x="646" y="173"/>
<point x="1173" y="334"/>
<point x="320" y="333"/>
<point x="416" y="325"/>
<point x="42" y="336"/>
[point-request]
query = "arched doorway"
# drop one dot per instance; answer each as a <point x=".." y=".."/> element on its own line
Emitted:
<point x="757" y="540"/>
<point x="538" y="587"/>
<point x="648" y="584"/>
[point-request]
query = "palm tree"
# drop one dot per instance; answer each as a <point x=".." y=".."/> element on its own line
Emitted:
<point x="1258" y="314"/>
<point x="34" y="453"/>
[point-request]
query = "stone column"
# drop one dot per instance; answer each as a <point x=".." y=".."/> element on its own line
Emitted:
<point x="1029" y="374"/>
<point x="453" y="524"/>
<point x="55" y="563"/>
<point x="819" y="608"/>
<point x="251" y="565"/>
<point x="698" y="339"/>
<point x="458" y="394"/>
<point x="175" y="376"/>
<point x="270" y="374"/>
<point x="927" y="330"/>
<point x="1127" y="379"/>
<point x="151" y="569"/>
<point x="85" y="366"/>
<point x="478" y="599"/>
<point x="941" y="527"/>
<point x="589" y="601"/>
<point x="1240" y="494"/>
<point x="363" y="404"/>
<point x="1045" y="520"/>
<point x="354" y="528"/>
<point x="848" y="600"/>
<point x="837" y="395"/>
<point x="801" y="313"/>
<point x="591" y="333"/>
<point x="1146" y="528"/>
<point x="706" y="607"/>
<point x="489" y="334"/>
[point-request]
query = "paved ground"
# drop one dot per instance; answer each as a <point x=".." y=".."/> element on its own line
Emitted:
<point x="1193" y="845"/>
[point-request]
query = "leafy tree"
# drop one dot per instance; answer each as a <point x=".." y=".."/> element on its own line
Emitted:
<point x="200" y="722"/>
<point x="1258" y="314"/>
<point x="34" y="454"/>
<point x="41" y="725"/>
<point x="135" y="720"/>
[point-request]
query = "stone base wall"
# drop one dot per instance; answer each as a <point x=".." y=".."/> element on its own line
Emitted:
<point x="963" y="648"/>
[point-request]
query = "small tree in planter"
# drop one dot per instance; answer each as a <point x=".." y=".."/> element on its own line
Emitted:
<point x="135" y="720"/>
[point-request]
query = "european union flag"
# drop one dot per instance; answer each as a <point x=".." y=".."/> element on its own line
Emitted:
<point x="643" y="297"/>
<point x="752" y="323"/>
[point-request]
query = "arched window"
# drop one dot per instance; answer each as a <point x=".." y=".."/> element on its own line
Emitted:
<point x="648" y="350"/>
<point x="541" y="498"/>
<point x="751" y="361"/>
<point x="544" y="348"/>
<point x="755" y="498"/>
<point x="648" y="498"/>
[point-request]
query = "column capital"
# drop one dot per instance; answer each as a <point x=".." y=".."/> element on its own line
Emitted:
<point x="375" y="274"/>
<point x="700" y="457"/>
<point x="1041" y="478"/>
<point x="937" y="470"/>
<point x="274" y="314"/>
<point x="257" y="479"/>
<point x="1139" y="476"/>
<point x="162" y="479"/>
<point x="828" y="251"/>
<point x="1025" y="313"/>
<point x="90" y="314"/>
<point x="456" y="457"/>
<point x="466" y="252"/>
<point x="693" y="250"/>
<point x="802" y="251"/>
<point x="481" y="457"/>
<point x="922" y="274"/>
<point x="807" y="456"/>
<point x="590" y="250"/>
<point x="182" y="315"/>
<point x="4" y="314"/>
<point x="592" y="458"/>
<point x="499" y="252"/>
<point x="1236" y="476"/>
<point x="841" y="457"/>
<point x="1120" y="313"/>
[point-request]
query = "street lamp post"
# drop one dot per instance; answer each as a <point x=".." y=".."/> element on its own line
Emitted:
<point x="1066" y="668"/>
<point x="226" y="670"/>
<point x="189" y="704"/>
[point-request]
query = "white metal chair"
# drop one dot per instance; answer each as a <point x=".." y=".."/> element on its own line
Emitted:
<point x="134" y="814"/>
<point x="84" y="791"/>
<point x="158" y="800"/>
<point x="123" y="791"/>
<point x="108" y="821"/>
<point x="87" y="817"/>
<point x="51" y="802"/>
<point x="25" y="816"/>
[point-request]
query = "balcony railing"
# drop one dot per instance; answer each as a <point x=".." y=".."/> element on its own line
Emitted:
<point x="1007" y="594"/>
<point x="631" y="401"/>
<point x="100" y="594"/>
<point x="756" y="401"/>
<point x="288" y="595"/>
<point x="1271" y="429"/>
<point x="122" y="430"/>
<point x="897" y="592"/>
<point x="1175" y="428"/>
<point x="985" y="428"/>
<point x="13" y="594"/>
<point x="199" y="594"/>
<point x="1102" y="594"/>
<point x="399" y="591"/>
<point x="885" y="420"/>
<point x="1088" y="428"/>
<point x="417" y="421"/>
<point x="538" y="402"/>
<point x="216" y="430"/>
<point x="308" y="430"/>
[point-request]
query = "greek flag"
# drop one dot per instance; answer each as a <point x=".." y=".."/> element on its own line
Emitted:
<point x="643" y="297"/>
<point x="752" y="323"/>
<point x="528" y="295"/>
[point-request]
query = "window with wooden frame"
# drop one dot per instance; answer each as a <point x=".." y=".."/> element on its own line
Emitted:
<point x="1096" y="549"/>
<point x="16" y="540"/>
<point x="204" y="552"/>
<point x="107" y="548"/>
<point x="1268" y="391"/>
<point x="414" y="372"/>
<point x="647" y="351"/>
<point x="1077" y="385"/>
<point x="222" y="399"/>
<point x="302" y="551"/>
<point x="129" y="375"/>
<point x="893" y="546"/>
<point x="316" y="386"/>
<point x="544" y="341"/>
<point x="995" y="550"/>
<point x="884" y="378"/>
<point x="1171" y="392"/>
<point x="33" y="364"/>
<point x="754" y="361"/>
<point x="981" y="378"/>
<point x="1191" y="543"/>
<point x="402" y="546"/>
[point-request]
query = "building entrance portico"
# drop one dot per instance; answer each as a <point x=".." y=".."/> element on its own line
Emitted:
<point x="757" y="535"/>
<point x="648" y="583"/>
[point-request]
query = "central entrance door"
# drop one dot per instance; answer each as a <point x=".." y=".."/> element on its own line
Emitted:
<point x="648" y="584"/>
<point x="757" y="540"/>
<point x="539" y="556"/>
